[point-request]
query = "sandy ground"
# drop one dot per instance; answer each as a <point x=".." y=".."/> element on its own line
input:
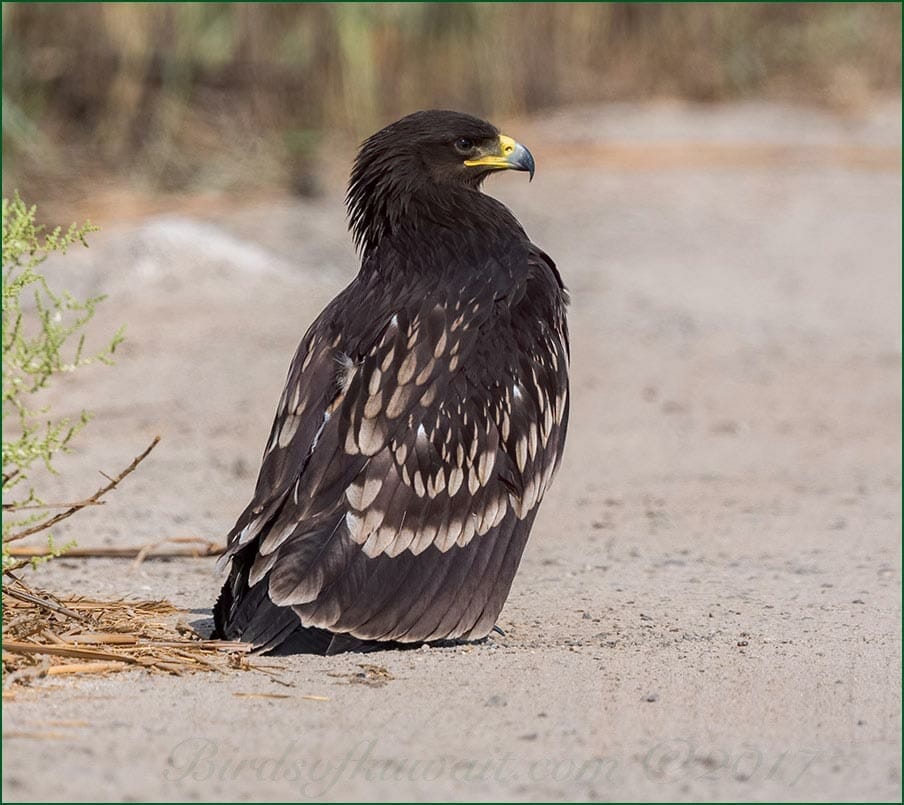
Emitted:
<point x="709" y="607"/>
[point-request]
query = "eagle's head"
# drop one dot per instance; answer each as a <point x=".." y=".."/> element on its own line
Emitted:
<point x="435" y="154"/>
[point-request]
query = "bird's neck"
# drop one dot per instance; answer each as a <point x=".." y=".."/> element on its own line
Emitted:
<point x="441" y="214"/>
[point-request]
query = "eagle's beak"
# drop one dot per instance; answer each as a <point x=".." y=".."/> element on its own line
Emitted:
<point x="508" y="155"/>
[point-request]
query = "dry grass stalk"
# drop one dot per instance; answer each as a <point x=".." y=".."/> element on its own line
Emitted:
<point x="200" y="548"/>
<point x="47" y="636"/>
<point x="85" y="668"/>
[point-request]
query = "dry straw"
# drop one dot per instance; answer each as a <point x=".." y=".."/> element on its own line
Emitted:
<point x="48" y="636"/>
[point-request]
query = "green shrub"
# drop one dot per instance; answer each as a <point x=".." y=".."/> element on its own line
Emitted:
<point x="39" y="342"/>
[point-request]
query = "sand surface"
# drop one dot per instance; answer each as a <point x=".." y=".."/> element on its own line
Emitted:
<point x="709" y="606"/>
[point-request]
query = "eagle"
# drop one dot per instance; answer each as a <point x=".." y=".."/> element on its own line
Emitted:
<point x="423" y="416"/>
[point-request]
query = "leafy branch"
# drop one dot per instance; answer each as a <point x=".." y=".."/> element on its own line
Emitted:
<point x="42" y="336"/>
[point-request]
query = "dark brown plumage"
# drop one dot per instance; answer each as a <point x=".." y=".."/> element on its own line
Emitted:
<point x="423" y="416"/>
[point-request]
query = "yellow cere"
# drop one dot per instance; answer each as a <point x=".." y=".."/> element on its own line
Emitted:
<point x="500" y="159"/>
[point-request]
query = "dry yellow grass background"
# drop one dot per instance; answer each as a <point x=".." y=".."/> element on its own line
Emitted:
<point x="196" y="96"/>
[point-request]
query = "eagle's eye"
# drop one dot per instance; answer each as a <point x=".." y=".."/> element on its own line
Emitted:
<point x="464" y="146"/>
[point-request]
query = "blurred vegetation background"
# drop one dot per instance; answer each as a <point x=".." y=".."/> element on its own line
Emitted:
<point x="185" y="97"/>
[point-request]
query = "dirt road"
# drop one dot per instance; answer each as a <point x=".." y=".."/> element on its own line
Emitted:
<point x="709" y="606"/>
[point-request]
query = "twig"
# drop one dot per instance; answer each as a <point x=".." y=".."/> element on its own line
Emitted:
<point x="21" y="507"/>
<point x="101" y="639"/>
<point x="229" y="646"/>
<point x="18" y="647"/>
<point x="197" y="658"/>
<point x="25" y="532"/>
<point x="44" y="603"/>
<point x="101" y="667"/>
<point x="208" y="548"/>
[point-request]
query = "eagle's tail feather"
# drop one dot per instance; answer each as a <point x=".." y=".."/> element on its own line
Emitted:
<point x="246" y="613"/>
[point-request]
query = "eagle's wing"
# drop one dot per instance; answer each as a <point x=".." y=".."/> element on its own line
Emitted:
<point x="401" y="479"/>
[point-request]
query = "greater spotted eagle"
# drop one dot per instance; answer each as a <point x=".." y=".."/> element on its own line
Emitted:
<point x="423" y="416"/>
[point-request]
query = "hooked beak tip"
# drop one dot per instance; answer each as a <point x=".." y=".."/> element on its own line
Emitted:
<point x="523" y="160"/>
